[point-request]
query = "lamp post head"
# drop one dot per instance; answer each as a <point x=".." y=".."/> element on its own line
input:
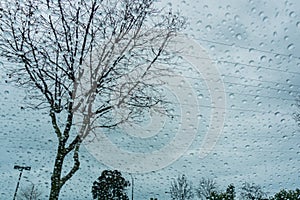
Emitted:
<point x="27" y="168"/>
<point x="20" y="168"/>
<point x="17" y="167"/>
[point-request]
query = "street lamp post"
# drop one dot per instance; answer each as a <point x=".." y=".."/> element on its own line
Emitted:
<point x="20" y="168"/>
<point x="132" y="181"/>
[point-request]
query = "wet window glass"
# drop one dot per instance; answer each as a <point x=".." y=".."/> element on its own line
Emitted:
<point x="150" y="99"/>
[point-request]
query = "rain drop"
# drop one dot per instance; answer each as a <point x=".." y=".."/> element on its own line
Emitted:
<point x="208" y="27"/>
<point x="270" y="126"/>
<point x="292" y="14"/>
<point x="199" y="22"/>
<point x="265" y="19"/>
<point x="238" y="36"/>
<point x="236" y="18"/>
<point x="263" y="58"/>
<point x="290" y="46"/>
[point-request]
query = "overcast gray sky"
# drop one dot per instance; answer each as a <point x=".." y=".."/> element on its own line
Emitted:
<point x="254" y="46"/>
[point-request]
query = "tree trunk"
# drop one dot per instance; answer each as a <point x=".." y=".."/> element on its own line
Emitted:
<point x="56" y="175"/>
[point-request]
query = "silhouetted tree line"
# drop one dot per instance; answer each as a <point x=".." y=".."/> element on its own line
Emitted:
<point x="182" y="189"/>
<point x="111" y="185"/>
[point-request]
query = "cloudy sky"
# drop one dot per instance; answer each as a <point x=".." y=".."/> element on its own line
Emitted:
<point x="246" y="118"/>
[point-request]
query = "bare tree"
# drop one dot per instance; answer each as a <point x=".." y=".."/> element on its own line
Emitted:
<point x="205" y="188"/>
<point x="30" y="193"/>
<point x="181" y="189"/>
<point x="92" y="57"/>
<point x="297" y="113"/>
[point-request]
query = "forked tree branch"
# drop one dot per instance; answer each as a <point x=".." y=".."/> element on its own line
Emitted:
<point x="75" y="167"/>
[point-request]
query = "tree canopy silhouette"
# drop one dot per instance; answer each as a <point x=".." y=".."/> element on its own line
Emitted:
<point x="110" y="185"/>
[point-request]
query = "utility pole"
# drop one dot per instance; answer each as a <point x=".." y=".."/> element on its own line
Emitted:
<point x="20" y="168"/>
<point x="132" y="186"/>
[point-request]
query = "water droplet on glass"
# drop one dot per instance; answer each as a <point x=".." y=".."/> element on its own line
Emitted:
<point x="199" y="22"/>
<point x="292" y="14"/>
<point x="209" y="15"/>
<point x="208" y="27"/>
<point x="270" y="126"/>
<point x="265" y="19"/>
<point x="284" y="137"/>
<point x="236" y="18"/>
<point x="263" y="58"/>
<point x="238" y="36"/>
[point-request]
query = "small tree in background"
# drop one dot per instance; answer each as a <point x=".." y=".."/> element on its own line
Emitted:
<point x="297" y="113"/>
<point x="228" y="195"/>
<point x="205" y="188"/>
<point x="252" y="192"/>
<point x="181" y="189"/>
<point x="287" y="195"/>
<point x="110" y="186"/>
<point x="30" y="193"/>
